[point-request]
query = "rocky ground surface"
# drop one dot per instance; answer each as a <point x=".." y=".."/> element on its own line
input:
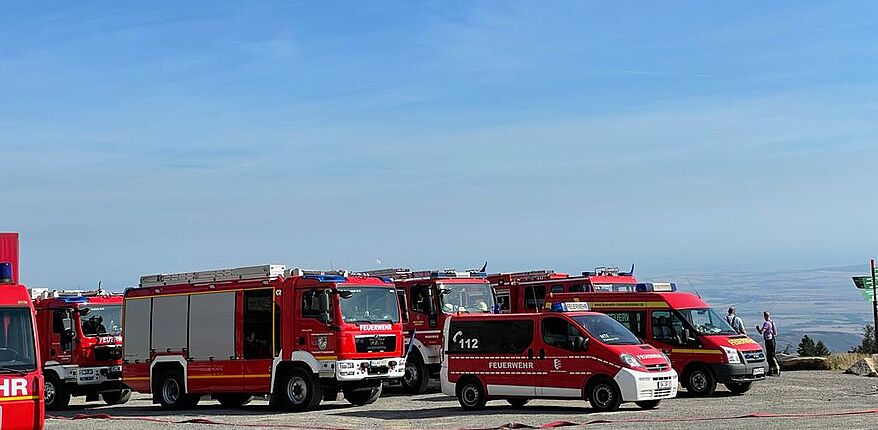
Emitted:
<point x="810" y="398"/>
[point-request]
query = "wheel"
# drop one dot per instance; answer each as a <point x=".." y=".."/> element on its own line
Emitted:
<point x="417" y="376"/>
<point x="739" y="387"/>
<point x="116" y="397"/>
<point x="517" y="402"/>
<point x="700" y="381"/>
<point x="363" y="396"/>
<point x="299" y="391"/>
<point x="604" y="396"/>
<point x="471" y="395"/>
<point x="55" y="395"/>
<point x="171" y="392"/>
<point x="233" y="400"/>
<point x="647" y="404"/>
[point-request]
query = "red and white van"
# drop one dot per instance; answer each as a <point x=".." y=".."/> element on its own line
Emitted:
<point x="555" y="355"/>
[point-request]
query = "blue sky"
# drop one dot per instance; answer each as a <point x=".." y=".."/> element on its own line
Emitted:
<point x="162" y="136"/>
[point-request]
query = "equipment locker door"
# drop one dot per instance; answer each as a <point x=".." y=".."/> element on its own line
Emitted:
<point x="215" y="364"/>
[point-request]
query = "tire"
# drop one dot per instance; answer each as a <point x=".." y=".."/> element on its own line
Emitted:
<point x="739" y="387"/>
<point x="116" y="397"/>
<point x="604" y="395"/>
<point x="363" y="396"/>
<point x="299" y="391"/>
<point x="647" y="404"/>
<point x="417" y="376"/>
<point x="517" y="402"/>
<point x="471" y="395"/>
<point x="233" y="400"/>
<point x="700" y="381"/>
<point x="55" y="394"/>
<point x="172" y="393"/>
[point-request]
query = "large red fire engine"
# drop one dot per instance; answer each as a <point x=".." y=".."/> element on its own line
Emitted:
<point x="21" y="382"/>
<point x="301" y="336"/>
<point x="567" y="352"/>
<point x="81" y="346"/>
<point x="526" y="291"/>
<point x="427" y="299"/>
<point x="703" y="347"/>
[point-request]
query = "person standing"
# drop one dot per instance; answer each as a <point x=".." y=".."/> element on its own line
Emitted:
<point x="769" y="333"/>
<point x="735" y="321"/>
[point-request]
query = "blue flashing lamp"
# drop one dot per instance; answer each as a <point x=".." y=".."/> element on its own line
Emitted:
<point x="656" y="287"/>
<point x="385" y="279"/>
<point x="74" y="299"/>
<point x="327" y="278"/>
<point x="6" y="273"/>
<point x="558" y="307"/>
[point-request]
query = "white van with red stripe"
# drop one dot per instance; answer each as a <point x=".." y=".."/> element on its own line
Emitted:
<point x="553" y="355"/>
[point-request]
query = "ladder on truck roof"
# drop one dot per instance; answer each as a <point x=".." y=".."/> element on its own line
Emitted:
<point x="264" y="272"/>
<point x="405" y="273"/>
<point x="532" y="275"/>
<point x="46" y="293"/>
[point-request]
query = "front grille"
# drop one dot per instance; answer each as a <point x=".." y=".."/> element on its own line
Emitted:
<point x="754" y="356"/>
<point x="657" y="367"/>
<point x="108" y="353"/>
<point x="377" y="343"/>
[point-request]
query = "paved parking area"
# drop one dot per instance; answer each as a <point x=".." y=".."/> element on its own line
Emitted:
<point x="794" y="393"/>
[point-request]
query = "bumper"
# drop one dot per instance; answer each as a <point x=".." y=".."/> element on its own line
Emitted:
<point x="731" y="373"/>
<point x="89" y="375"/>
<point x="358" y="370"/>
<point x="638" y="386"/>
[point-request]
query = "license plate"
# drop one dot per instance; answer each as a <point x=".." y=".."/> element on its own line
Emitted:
<point x="664" y="384"/>
<point x="758" y="371"/>
<point x="376" y="363"/>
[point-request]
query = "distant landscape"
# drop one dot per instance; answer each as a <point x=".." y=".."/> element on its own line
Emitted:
<point x="821" y="303"/>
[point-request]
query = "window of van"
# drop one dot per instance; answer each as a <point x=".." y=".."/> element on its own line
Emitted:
<point x="560" y="333"/>
<point x="632" y="320"/>
<point x="667" y="327"/>
<point x="490" y="337"/>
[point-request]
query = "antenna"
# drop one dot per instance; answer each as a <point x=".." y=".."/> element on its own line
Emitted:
<point x="484" y="268"/>
<point x="691" y="286"/>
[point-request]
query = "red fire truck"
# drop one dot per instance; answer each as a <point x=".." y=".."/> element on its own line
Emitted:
<point x="427" y="299"/>
<point x="566" y="353"/>
<point x="21" y="382"/>
<point x="703" y="347"/>
<point x="526" y="291"/>
<point x="81" y="346"/>
<point x="301" y="336"/>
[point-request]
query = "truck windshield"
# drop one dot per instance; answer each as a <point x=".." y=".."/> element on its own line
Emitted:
<point x="17" y="351"/>
<point x="607" y="330"/>
<point x="468" y="298"/>
<point x="102" y="320"/>
<point x="708" y="321"/>
<point x="369" y="305"/>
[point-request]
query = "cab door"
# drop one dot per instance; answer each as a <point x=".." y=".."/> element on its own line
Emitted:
<point x="562" y="364"/>
<point x="666" y="333"/>
<point x="63" y="336"/>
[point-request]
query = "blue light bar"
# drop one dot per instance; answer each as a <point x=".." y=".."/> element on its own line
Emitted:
<point x="386" y="279"/>
<point x="74" y="299"/>
<point x="327" y="278"/>
<point x="657" y="287"/>
<point x="6" y="273"/>
<point x="570" y="307"/>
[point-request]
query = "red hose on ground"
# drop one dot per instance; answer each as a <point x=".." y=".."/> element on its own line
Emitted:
<point x="507" y="426"/>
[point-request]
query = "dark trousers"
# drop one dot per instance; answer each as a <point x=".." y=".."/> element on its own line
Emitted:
<point x="771" y="356"/>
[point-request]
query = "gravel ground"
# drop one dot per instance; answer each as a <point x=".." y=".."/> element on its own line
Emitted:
<point x="794" y="393"/>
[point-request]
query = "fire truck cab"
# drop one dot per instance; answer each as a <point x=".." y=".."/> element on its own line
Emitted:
<point x="81" y="346"/>
<point x="299" y="336"/>
<point x="21" y="382"/>
<point x="526" y="291"/>
<point x="566" y="353"/>
<point x="703" y="347"/>
<point x="427" y="298"/>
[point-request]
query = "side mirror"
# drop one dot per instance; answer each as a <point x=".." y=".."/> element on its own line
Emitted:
<point x="69" y="334"/>
<point x="580" y="343"/>
<point x="345" y="294"/>
<point x="688" y="337"/>
<point x="84" y="311"/>
<point x="325" y="317"/>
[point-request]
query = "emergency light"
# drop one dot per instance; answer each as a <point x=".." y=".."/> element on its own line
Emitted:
<point x="6" y="273"/>
<point x="658" y="287"/>
<point x="327" y="278"/>
<point x="74" y="299"/>
<point x="570" y="307"/>
<point x="456" y="274"/>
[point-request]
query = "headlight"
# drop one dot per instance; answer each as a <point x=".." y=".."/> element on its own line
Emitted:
<point x="630" y="361"/>
<point x="732" y="355"/>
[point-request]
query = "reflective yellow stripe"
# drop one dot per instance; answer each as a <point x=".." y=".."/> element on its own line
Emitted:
<point x="213" y="376"/>
<point x="258" y="376"/>
<point x="17" y="398"/>
<point x="327" y="357"/>
<point x="136" y="378"/>
<point x="697" y="351"/>
<point x="618" y="305"/>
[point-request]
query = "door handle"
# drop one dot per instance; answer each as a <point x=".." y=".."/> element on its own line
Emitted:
<point x="530" y="354"/>
<point x="542" y="354"/>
